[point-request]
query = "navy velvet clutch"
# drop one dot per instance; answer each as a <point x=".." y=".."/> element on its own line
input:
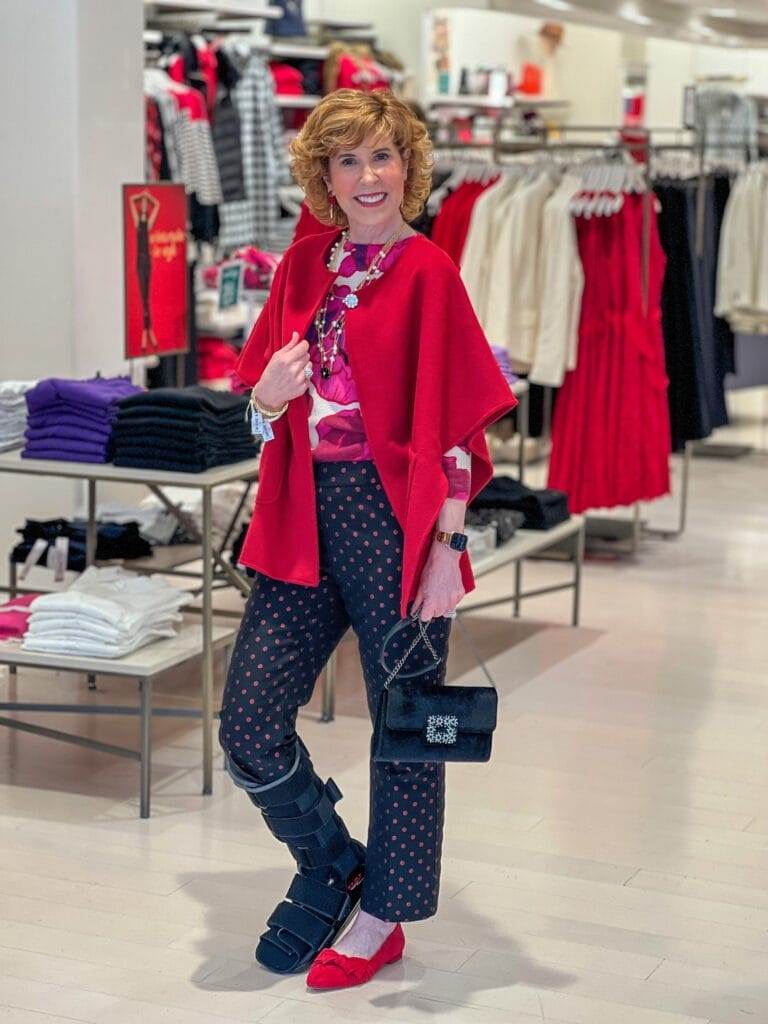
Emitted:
<point x="422" y="723"/>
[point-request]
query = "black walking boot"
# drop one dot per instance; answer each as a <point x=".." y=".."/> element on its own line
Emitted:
<point x="299" y="811"/>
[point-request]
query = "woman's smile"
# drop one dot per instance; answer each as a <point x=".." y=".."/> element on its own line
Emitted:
<point x="371" y="198"/>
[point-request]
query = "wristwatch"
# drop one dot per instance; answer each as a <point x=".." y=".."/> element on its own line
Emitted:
<point x="455" y="540"/>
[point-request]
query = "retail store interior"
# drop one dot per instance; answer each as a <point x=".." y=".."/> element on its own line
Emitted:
<point x="600" y="182"/>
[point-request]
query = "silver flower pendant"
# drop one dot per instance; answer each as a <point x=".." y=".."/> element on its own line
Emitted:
<point x="351" y="300"/>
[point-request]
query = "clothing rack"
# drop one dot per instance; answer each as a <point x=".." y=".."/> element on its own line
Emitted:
<point x="633" y="528"/>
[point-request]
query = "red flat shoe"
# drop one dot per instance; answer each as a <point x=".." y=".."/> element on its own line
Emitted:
<point x="335" y="970"/>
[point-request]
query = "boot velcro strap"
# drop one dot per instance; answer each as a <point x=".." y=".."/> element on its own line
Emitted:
<point x="287" y="789"/>
<point x="333" y="791"/>
<point x="303" y="824"/>
<point x="300" y="922"/>
<point x="325" y="855"/>
<point x="316" y="896"/>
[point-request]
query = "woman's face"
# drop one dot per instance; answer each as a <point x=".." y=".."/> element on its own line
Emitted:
<point x="368" y="182"/>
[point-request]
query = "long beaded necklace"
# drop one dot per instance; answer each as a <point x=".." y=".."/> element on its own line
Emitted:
<point x="349" y="302"/>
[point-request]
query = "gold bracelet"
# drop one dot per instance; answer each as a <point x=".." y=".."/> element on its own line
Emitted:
<point x="266" y="412"/>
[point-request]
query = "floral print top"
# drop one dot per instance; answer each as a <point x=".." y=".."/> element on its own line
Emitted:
<point x="336" y="430"/>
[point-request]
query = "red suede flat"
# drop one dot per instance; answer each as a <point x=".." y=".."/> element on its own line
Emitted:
<point x="335" y="970"/>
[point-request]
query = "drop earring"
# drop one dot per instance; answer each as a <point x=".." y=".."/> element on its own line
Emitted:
<point x="331" y="202"/>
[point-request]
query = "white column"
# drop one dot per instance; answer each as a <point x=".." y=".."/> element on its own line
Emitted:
<point x="70" y="78"/>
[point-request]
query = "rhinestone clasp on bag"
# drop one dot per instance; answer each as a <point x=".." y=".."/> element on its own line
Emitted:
<point x="442" y="728"/>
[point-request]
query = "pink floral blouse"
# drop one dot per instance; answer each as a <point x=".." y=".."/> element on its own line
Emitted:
<point x="336" y="430"/>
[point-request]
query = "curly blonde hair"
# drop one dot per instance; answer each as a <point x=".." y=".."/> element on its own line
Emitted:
<point x="341" y="120"/>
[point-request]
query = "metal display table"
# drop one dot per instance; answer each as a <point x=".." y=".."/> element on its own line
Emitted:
<point x="568" y="536"/>
<point x="143" y="665"/>
<point x="212" y="559"/>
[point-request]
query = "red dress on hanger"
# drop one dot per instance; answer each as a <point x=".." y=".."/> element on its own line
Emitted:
<point x="610" y="430"/>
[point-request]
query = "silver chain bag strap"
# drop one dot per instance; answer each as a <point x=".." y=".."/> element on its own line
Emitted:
<point x="432" y="722"/>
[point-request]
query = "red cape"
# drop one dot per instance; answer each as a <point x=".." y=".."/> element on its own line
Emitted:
<point x="426" y="379"/>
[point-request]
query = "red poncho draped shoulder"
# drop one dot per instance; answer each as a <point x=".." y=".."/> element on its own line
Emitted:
<point x="426" y="379"/>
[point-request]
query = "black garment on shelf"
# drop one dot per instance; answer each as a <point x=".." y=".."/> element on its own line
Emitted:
<point x="505" y="520"/>
<point x="173" y="464"/>
<point x="542" y="509"/>
<point x="311" y="75"/>
<point x="184" y="451"/>
<point x="186" y="430"/>
<point x="178" y="417"/>
<point x="113" y="540"/>
<point x="195" y="398"/>
<point x="697" y="350"/>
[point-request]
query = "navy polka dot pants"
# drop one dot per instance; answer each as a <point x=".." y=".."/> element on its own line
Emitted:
<point x="288" y="633"/>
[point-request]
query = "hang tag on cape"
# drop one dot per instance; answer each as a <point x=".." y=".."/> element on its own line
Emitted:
<point x="261" y="426"/>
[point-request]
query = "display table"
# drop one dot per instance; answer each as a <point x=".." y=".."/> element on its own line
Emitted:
<point x="568" y="536"/>
<point x="213" y="560"/>
<point x="144" y="665"/>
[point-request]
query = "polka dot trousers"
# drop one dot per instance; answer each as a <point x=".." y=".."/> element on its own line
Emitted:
<point x="288" y="633"/>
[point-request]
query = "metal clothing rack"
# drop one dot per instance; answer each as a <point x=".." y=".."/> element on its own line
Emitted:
<point x="602" y="526"/>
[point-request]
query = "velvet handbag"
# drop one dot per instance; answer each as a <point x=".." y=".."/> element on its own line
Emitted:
<point x="418" y="722"/>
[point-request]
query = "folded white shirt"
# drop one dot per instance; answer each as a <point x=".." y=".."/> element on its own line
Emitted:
<point x="15" y="390"/>
<point x="114" y="596"/>
<point x="90" y="646"/>
<point x="58" y="623"/>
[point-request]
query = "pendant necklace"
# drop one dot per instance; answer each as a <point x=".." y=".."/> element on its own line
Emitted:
<point x="349" y="301"/>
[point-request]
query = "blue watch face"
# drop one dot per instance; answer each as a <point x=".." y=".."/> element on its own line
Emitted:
<point x="458" y="541"/>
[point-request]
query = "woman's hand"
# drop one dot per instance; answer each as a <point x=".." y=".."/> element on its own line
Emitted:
<point x="284" y="376"/>
<point x="440" y="586"/>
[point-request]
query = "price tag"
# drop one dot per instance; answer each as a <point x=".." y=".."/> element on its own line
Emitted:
<point x="230" y="284"/>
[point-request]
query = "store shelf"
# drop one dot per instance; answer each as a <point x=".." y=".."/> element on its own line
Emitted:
<point x="533" y="103"/>
<point x="526" y="543"/>
<point x="297" y="102"/>
<point x="340" y="23"/>
<point x="455" y="100"/>
<point x="301" y="51"/>
<point x="230" y="9"/>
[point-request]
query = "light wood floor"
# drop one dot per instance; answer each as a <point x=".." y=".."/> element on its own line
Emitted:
<point x="608" y="866"/>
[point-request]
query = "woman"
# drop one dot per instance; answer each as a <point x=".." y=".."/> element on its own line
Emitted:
<point x="372" y="385"/>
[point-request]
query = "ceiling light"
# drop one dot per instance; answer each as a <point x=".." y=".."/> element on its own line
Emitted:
<point x="556" y="5"/>
<point x="723" y="12"/>
<point x="629" y="12"/>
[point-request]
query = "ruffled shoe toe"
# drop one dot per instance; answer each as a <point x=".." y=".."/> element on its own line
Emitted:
<point x="331" y="969"/>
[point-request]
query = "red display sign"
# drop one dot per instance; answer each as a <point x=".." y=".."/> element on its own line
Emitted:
<point x="155" y="269"/>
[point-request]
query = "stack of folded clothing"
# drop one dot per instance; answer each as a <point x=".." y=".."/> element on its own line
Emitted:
<point x="106" y="613"/>
<point x="184" y="430"/>
<point x="14" y="616"/>
<point x="155" y="523"/>
<point x="542" y="509"/>
<point x="41" y="539"/>
<point x="72" y="420"/>
<point x="13" y="412"/>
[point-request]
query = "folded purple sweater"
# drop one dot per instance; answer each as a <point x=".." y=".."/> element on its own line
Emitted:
<point x="98" y="393"/>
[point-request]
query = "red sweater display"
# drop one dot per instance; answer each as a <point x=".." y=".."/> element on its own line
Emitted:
<point x="426" y="379"/>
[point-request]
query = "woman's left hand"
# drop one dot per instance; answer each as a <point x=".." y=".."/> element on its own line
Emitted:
<point x="440" y="586"/>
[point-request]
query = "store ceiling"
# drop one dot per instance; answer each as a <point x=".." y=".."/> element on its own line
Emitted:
<point x="721" y="22"/>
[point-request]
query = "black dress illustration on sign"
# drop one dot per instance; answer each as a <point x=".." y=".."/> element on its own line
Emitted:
<point x="144" y="211"/>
